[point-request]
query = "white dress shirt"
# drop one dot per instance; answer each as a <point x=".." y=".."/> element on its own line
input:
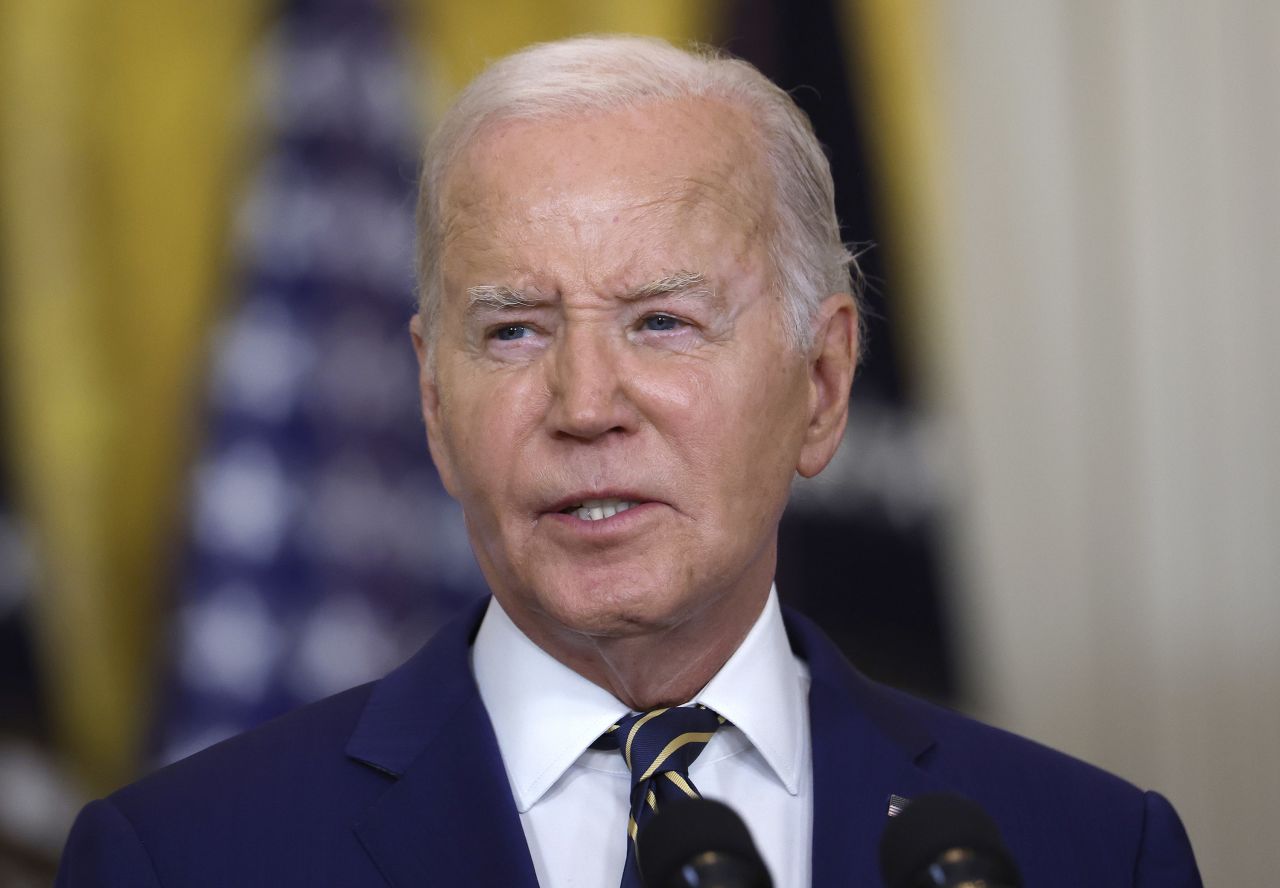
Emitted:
<point x="574" y="801"/>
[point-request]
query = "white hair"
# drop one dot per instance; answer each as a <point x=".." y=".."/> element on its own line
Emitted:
<point x="595" y="74"/>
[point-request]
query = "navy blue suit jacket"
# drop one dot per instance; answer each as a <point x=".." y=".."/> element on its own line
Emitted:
<point x="400" y="783"/>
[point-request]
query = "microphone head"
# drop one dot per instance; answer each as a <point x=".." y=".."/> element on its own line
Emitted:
<point x="917" y="847"/>
<point x="699" y="842"/>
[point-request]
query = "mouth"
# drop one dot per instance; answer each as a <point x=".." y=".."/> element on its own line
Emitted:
<point x="598" y="509"/>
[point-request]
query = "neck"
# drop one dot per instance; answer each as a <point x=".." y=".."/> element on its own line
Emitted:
<point x="665" y="667"/>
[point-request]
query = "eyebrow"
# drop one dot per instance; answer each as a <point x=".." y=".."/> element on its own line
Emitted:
<point x="486" y="298"/>
<point x="691" y="283"/>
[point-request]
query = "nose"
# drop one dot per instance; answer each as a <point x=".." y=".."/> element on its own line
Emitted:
<point x="589" y="399"/>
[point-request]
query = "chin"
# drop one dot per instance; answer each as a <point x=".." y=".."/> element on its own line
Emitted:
<point x="614" y="610"/>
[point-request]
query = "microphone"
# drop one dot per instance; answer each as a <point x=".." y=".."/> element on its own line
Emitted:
<point x="945" y="841"/>
<point x="699" y="843"/>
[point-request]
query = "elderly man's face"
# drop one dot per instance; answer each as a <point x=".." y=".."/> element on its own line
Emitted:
<point x="614" y="400"/>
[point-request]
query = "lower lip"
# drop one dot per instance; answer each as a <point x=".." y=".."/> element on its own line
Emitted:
<point x="616" y="523"/>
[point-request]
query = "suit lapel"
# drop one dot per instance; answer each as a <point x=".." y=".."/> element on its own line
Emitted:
<point x="448" y="819"/>
<point x="866" y="747"/>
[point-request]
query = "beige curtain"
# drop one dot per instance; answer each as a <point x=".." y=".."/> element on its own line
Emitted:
<point x="1102" y="327"/>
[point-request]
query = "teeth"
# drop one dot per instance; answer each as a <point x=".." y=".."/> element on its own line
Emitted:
<point x="596" y="509"/>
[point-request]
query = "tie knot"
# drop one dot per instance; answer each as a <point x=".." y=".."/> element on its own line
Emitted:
<point x="658" y="746"/>
<point x="661" y="740"/>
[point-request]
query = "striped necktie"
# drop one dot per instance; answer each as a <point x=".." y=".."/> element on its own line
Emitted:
<point x="658" y="747"/>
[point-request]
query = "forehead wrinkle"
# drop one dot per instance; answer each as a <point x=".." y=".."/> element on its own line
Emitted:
<point x="457" y="210"/>
<point x="471" y="215"/>
<point x="689" y="195"/>
<point x="724" y="193"/>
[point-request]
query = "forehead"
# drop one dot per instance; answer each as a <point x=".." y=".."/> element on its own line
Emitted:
<point x="677" y="172"/>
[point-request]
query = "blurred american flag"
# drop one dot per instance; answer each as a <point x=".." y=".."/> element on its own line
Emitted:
<point x="323" y="549"/>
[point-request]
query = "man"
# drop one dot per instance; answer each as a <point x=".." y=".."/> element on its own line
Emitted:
<point x="637" y="325"/>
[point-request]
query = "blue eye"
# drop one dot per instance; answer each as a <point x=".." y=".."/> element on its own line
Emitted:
<point x="510" y="332"/>
<point x="661" y="323"/>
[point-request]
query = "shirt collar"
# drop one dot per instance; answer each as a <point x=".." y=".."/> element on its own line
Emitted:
<point x="545" y="715"/>
<point x="762" y="690"/>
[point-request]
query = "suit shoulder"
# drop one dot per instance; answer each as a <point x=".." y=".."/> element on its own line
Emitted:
<point x="274" y="806"/>
<point x="296" y="756"/>
<point x="1057" y="813"/>
<point x="972" y="751"/>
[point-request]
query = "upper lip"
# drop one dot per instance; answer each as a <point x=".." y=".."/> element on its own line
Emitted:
<point x="577" y="499"/>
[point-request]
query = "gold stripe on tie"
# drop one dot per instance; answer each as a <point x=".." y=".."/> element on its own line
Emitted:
<point x="632" y="829"/>
<point x="675" y="744"/>
<point x="636" y="727"/>
<point x="653" y="802"/>
<point x="719" y="718"/>
<point x="685" y="786"/>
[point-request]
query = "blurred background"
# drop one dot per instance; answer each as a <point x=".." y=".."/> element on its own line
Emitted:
<point x="1058" y="507"/>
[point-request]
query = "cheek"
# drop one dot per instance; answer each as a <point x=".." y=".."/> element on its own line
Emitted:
<point x="487" y="424"/>
<point x="685" y="401"/>
<point x="759" y="430"/>
<point x="667" y="386"/>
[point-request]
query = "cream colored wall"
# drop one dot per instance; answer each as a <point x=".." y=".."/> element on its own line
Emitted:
<point x="1106" y="323"/>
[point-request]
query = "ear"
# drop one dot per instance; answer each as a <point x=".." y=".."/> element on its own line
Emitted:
<point x="431" y="409"/>
<point x="830" y="362"/>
